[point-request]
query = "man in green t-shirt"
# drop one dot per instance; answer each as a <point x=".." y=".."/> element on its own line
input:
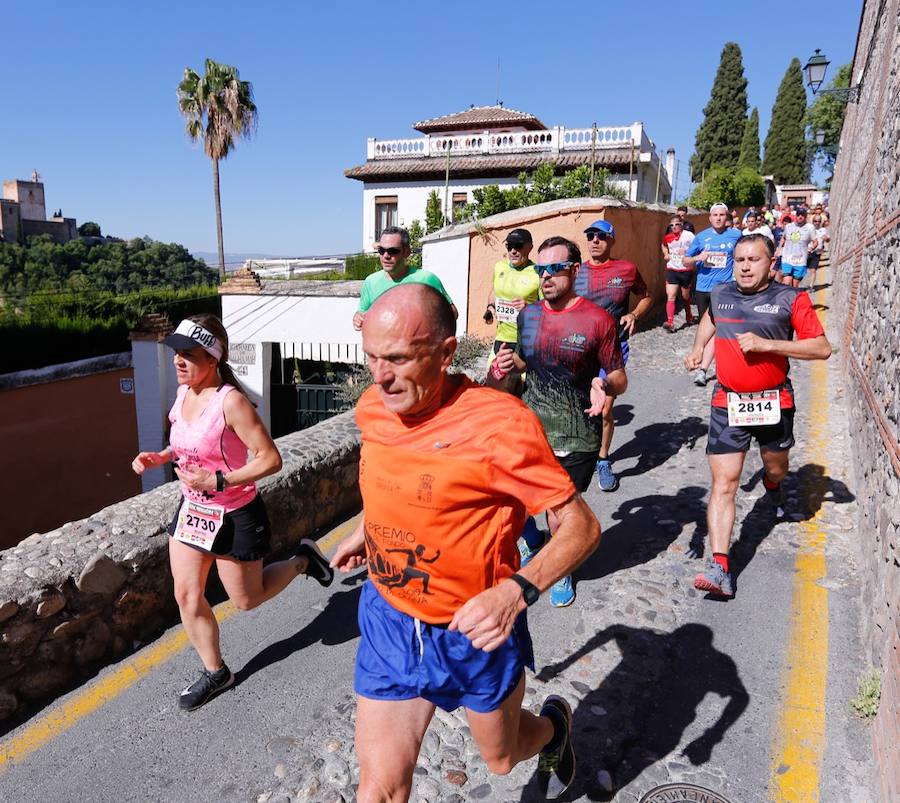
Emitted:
<point x="393" y="251"/>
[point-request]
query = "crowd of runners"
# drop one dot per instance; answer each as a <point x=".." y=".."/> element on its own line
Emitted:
<point x="453" y="473"/>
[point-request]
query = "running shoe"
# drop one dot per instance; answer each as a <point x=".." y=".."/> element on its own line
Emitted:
<point x="561" y="592"/>
<point x="556" y="762"/>
<point x="317" y="564"/>
<point x="207" y="686"/>
<point x="715" y="580"/>
<point x="533" y="534"/>
<point x="669" y="326"/>
<point x="605" y="477"/>
<point x="700" y="377"/>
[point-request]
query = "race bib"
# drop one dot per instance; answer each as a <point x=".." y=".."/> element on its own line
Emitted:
<point x="754" y="409"/>
<point x="198" y="524"/>
<point x="506" y="312"/>
<point x="676" y="257"/>
<point x="717" y="259"/>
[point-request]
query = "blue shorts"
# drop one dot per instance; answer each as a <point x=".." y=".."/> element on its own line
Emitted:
<point x="797" y="271"/>
<point x="401" y="658"/>
<point x="626" y="350"/>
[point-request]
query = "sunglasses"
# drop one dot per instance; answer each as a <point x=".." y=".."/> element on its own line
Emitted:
<point x="389" y="251"/>
<point x="596" y="235"/>
<point x="553" y="268"/>
<point x="514" y="246"/>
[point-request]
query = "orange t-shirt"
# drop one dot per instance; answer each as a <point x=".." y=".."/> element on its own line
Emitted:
<point x="444" y="499"/>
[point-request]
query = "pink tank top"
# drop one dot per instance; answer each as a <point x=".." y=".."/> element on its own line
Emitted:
<point x="208" y="442"/>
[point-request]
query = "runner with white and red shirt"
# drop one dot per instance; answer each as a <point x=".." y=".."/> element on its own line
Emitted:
<point x="754" y="320"/>
<point x="678" y="275"/>
<point x="221" y="518"/>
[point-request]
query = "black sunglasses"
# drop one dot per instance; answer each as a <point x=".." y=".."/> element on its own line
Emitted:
<point x="514" y="246"/>
<point x="389" y="251"/>
<point x="593" y="234"/>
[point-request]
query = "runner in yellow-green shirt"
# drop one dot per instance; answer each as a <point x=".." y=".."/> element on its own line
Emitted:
<point x="515" y="285"/>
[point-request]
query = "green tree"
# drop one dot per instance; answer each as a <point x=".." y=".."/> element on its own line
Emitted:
<point x="719" y="137"/>
<point x="434" y="213"/>
<point x="744" y="187"/>
<point x="416" y="232"/>
<point x="219" y="110"/>
<point x="827" y="114"/>
<point x="748" y="188"/>
<point x="89" y="229"/>
<point x="787" y="158"/>
<point x="750" y="143"/>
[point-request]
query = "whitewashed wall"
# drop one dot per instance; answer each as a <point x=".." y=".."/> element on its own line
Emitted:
<point x="448" y="259"/>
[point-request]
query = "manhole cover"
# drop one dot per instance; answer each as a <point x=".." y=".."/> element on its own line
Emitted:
<point x="675" y="792"/>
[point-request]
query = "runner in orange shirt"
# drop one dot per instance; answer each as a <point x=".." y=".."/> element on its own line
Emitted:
<point x="445" y="495"/>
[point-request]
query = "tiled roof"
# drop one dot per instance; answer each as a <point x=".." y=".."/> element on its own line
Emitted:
<point x="485" y="116"/>
<point x="492" y="166"/>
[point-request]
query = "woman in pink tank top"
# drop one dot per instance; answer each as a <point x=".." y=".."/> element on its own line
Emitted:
<point x="220" y="448"/>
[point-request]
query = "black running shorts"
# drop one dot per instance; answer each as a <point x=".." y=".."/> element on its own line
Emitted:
<point x="702" y="300"/>
<point x="683" y="278"/>
<point x="580" y="468"/>
<point x="725" y="439"/>
<point x="244" y="535"/>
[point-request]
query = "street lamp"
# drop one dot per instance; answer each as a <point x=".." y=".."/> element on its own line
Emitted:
<point x="815" y="70"/>
<point x="820" y="137"/>
<point x="815" y="75"/>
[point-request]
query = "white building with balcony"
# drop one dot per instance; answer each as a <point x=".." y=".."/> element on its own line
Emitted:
<point x="492" y="145"/>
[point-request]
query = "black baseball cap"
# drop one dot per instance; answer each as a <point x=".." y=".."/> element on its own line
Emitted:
<point x="519" y="237"/>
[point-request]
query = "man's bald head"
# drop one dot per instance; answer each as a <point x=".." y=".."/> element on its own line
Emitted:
<point x="409" y="343"/>
<point x="423" y="312"/>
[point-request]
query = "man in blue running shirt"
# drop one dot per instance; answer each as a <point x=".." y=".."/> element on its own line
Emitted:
<point x="712" y="254"/>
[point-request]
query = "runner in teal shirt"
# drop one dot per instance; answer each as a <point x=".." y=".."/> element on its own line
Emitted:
<point x="393" y="251"/>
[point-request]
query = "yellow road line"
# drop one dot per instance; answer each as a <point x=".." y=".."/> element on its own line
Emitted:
<point x="799" y="737"/>
<point x="65" y="715"/>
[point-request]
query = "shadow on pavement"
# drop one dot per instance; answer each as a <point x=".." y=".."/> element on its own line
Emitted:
<point x="334" y="625"/>
<point x="623" y="414"/>
<point x="806" y="490"/>
<point x="640" y="711"/>
<point x="647" y="526"/>
<point x="654" y="444"/>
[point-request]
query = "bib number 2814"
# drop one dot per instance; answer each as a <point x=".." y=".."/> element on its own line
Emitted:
<point x="754" y="409"/>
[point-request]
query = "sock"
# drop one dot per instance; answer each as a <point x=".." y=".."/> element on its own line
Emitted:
<point x="559" y="728"/>
<point x="670" y="311"/>
<point x="722" y="559"/>
<point x="533" y="537"/>
<point x="769" y="485"/>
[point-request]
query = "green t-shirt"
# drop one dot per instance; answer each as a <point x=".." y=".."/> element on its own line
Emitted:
<point x="379" y="283"/>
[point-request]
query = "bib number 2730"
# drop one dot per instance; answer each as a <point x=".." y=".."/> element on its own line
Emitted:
<point x="198" y="525"/>
<point x="754" y="409"/>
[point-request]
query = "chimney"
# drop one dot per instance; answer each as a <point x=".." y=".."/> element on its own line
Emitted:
<point x="670" y="168"/>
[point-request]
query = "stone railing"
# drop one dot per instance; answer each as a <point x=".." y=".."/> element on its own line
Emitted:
<point x="554" y="140"/>
<point x="76" y="598"/>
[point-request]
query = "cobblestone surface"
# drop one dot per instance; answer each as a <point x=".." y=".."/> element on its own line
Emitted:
<point x="625" y="634"/>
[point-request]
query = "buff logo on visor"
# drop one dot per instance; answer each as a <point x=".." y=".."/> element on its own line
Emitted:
<point x="203" y="338"/>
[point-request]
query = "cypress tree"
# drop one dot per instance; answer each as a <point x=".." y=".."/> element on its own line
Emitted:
<point x="719" y="137"/>
<point x="787" y="157"/>
<point x="750" y="142"/>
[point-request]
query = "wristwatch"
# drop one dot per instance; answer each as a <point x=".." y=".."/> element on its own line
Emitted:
<point x="529" y="592"/>
<point x="220" y="481"/>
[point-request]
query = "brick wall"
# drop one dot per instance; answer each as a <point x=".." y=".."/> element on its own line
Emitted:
<point x="865" y="208"/>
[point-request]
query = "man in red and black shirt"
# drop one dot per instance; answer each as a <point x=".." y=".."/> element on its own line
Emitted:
<point x="754" y="321"/>
<point x="609" y="283"/>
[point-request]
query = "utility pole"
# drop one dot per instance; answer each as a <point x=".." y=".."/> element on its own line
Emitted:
<point x="593" y="155"/>
<point x="630" y="170"/>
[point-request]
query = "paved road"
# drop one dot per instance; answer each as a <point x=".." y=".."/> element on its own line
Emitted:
<point x="666" y="685"/>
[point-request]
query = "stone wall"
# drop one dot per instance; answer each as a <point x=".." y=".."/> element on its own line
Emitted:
<point x="865" y="208"/>
<point x="79" y="597"/>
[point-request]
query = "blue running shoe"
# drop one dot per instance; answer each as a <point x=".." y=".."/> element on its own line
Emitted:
<point x="605" y="477"/>
<point x="531" y="542"/>
<point x="561" y="592"/>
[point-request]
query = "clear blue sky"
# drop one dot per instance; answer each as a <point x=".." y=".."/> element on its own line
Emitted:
<point x="89" y="95"/>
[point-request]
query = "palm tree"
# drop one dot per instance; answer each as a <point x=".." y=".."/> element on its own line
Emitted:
<point x="219" y="109"/>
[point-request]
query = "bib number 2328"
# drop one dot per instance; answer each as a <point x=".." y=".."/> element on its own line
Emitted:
<point x="754" y="409"/>
<point x="198" y="524"/>
<point x="506" y="312"/>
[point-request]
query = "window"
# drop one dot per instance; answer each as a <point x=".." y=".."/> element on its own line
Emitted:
<point x="385" y="213"/>
<point x="460" y="199"/>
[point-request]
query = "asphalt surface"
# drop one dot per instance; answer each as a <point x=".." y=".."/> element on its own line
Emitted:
<point x="294" y="655"/>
